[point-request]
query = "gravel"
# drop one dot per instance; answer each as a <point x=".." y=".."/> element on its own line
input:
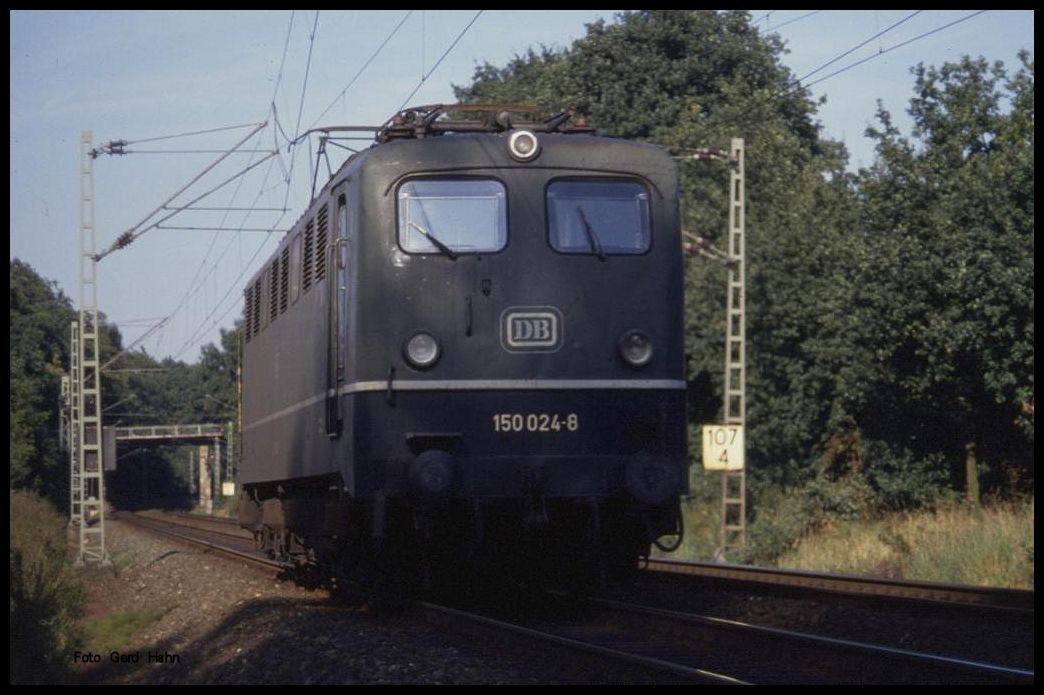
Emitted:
<point x="228" y="622"/>
<point x="1003" y="640"/>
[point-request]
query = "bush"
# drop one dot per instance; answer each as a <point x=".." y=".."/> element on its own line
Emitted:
<point x="46" y="596"/>
<point x="903" y="481"/>
<point x="784" y="516"/>
<point x="781" y="517"/>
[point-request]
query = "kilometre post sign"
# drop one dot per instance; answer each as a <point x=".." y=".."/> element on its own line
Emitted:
<point x="723" y="447"/>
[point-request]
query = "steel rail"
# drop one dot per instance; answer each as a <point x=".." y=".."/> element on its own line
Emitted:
<point x="629" y="657"/>
<point x="1016" y="601"/>
<point x="164" y="528"/>
<point x="947" y="669"/>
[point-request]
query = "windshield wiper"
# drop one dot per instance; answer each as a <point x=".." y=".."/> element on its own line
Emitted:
<point x="592" y="238"/>
<point x="434" y="240"/>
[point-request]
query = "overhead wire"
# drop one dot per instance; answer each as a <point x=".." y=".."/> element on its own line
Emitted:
<point x="252" y="151"/>
<point x="858" y="46"/>
<point x="189" y="205"/>
<point x="300" y="109"/>
<point x="136" y="231"/>
<point x="275" y="92"/>
<point x="796" y="85"/>
<point x="792" y="21"/>
<point x="195" y="286"/>
<point x="425" y="76"/>
<point x="308" y="70"/>
<point x="202" y="326"/>
<point x="195" y="337"/>
<point x="897" y="46"/>
<point x="358" y="74"/>
<point x="198" y="333"/>
<point x="282" y="61"/>
<point x="183" y="135"/>
<point x="277" y="126"/>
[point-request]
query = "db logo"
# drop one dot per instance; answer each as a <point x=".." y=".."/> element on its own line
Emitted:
<point x="531" y="329"/>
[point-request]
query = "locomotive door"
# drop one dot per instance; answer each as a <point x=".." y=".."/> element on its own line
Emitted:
<point x="337" y="317"/>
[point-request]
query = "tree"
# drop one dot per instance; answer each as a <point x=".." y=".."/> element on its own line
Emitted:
<point x="135" y="389"/>
<point x="40" y="318"/>
<point x="947" y="281"/>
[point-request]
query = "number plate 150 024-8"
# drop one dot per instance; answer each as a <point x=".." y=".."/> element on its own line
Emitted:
<point x="536" y="422"/>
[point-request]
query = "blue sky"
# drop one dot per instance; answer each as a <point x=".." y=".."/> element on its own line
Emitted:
<point x="142" y="75"/>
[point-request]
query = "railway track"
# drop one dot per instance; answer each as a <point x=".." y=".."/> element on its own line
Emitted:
<point x="657" y="645"/>
<point x="966" y="623"/>
<point x="625" y="642"/>
<point x="210" y="533"/>
<point x="788" y="656"/>
<point x="1015" y="602"/>
<point x="598" y="652"/>
<point x="651" y="644"/>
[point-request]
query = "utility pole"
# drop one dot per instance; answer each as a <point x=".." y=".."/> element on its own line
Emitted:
<point x="63" y="415"/>
<point x="90" y="464"/>
<point x="733" y="482"/>
<point x="75" y="454"/>
<point x="724" y="446"/>
<point x="87" y="469"/>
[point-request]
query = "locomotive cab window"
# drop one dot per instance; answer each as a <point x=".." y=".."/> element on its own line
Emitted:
<point x="599" y="217"/>
<point x="452" y="216"/>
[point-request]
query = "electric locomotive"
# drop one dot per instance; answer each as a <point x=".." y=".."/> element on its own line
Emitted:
<point x="469" y="352"/>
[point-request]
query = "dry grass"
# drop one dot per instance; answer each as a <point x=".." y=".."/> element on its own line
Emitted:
<point x="990" y="546"/>
<point x="46" y="595"/>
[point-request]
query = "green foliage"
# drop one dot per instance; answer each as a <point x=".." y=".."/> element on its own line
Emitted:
<point x="136" y="390"/>
<point x="784" y="515"/>
<point x="991" y="546"/>
<point x="903" y="480"/>
<point x="46" y="596"/>
<point x="946" y="285"/>
<point x="40" y="318"/>
<point x="170" y="393"/>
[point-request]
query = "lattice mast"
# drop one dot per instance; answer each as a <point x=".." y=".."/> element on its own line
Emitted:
<point x="89" y="464"/>
<point x="733" y="483"/>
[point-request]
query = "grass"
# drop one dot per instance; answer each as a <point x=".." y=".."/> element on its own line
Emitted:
<point x="113" y="632"/>
<point x="701" y="532"/>
<point x="988" y="546"/>
<point x="122" y="560"/>
<point x="46" y="594"/>
<point x="956" y="543"/>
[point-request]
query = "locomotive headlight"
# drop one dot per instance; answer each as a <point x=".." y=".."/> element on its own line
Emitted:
<point x="433" y="473"/>
<point x="422" y="350"/>
<point x="636" y="348"/>
<point x="523" y="145"/>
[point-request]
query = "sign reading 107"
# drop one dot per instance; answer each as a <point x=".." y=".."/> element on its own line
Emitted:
<point x="723" y="447"/>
